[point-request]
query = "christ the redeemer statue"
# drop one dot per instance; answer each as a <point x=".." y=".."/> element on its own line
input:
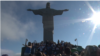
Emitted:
<point x="48" y="24"/>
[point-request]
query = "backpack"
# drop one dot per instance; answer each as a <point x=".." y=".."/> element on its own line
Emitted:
<point x="91" y="51"/>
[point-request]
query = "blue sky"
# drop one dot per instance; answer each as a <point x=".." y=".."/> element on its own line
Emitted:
<point x="17" y="24"/>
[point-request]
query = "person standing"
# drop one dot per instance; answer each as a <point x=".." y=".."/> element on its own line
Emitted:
<point x="28" y="48"/>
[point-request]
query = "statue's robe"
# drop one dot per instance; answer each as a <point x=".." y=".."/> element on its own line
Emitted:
<point x="47" y="20"/>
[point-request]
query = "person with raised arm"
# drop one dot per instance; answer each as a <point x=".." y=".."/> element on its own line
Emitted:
<point x="28" y="48"/>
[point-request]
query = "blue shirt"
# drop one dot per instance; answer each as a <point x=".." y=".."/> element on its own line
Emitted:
<point x="28" y="50"/>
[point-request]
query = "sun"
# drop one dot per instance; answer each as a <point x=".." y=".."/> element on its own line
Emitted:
<point x="96" y="18"/>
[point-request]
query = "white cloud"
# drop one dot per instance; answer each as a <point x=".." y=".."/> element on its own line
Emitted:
<point x="18" y="54"/>
<point x="11" y="27"/>
<point x="9" y="52"/>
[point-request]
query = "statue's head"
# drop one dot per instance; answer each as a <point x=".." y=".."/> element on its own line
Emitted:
<point x="48" y="5"/>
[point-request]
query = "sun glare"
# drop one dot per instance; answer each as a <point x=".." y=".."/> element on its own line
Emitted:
<point x="96" y="18"/>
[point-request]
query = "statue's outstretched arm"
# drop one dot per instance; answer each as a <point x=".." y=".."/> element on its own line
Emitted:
<point x="30" y="10"/>
<point x="66" y="10"/>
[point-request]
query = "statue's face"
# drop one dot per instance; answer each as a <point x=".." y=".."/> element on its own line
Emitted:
<point x="48" y="5"/>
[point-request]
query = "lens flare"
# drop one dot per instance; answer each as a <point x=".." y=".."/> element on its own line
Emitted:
<point x="96" y="18"/>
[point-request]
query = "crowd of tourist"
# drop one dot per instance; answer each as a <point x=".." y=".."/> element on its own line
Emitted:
<point x="60" y="49"/>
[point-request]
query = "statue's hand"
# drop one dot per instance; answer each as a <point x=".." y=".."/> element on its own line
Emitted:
<point x="29" y="9"/>
<point x="66" y="10"/>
